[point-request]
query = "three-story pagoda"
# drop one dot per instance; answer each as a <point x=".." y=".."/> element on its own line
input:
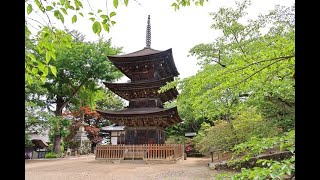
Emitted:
<point x="145" y="118"/>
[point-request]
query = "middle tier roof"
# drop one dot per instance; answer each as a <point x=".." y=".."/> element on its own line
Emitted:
<point x="143" y="89"/>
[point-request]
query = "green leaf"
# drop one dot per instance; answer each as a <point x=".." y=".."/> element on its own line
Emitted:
<point x="81" y="14"/>
<point x="105" y="27"/>
<point x="115" y="3"/>
<point x="113" y="22"/>
<point x="273" y="175"/>
<point x="71" y="7"/>
<point x="49" y="8"/>
<point x="43" y="79"/>
<point x="41" y="66"/>
<point x="46" y="35"/>
<point x="64" y="11"/>
<point x="90" y="13"/>
<point x="288" y="171"/>
<point x="99" y="11"/>
<point x="48" y="57"/>
<point x="29" y="9"/>
<point x="68" y="44"/>
<point x="32" y="57"/>
<point x="74" y="18"/>
<point x="29" y="79"/>
<point x="62" y="2"/>
<point x="92" y="19"/>
<point x="112" y="14"/>
<point x="52" y="54"/>
<point x="56" y="14"/>
<point x="39" y="5"/>
<point x="96" y="27"/>
<point x="78" y="4"/>
<point x="46" y="71"/>
<point x="126" y="2"/>
<point x="35" y="71"/>
<point x="53" y="70"/>
<point x="104" y="17"/>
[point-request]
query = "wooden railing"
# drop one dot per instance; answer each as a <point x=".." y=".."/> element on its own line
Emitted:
<point x="144" y="151"/>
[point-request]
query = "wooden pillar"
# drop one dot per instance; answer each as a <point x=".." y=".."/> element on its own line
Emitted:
<point x="158" y="136"/>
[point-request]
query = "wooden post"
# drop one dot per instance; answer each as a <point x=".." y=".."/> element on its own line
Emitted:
<point x="211" y="156"/>
<point x="133" y="152"/>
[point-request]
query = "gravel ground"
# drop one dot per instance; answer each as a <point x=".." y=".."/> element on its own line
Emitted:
<point x="86" y="167"/>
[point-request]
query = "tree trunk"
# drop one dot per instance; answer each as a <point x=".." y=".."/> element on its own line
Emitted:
<point x="57" y="138"/>
<point x="56" y="144"/>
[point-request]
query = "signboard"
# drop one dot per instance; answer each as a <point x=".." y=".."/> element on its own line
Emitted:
<point x="114" y="140"/>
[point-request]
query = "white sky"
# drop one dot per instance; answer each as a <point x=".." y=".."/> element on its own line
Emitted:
<point x="179" y="30"/>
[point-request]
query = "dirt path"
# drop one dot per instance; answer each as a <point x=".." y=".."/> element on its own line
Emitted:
<point x="88" y="168"/>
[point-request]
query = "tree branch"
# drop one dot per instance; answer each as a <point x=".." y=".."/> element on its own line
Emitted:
<point x="45" y="11"/>
<point x="242" y="50"/>
<point x="218" y="62"/>
<point x="32" y="25"/>
<point x="35" y="21"/>
<point x="41" y="18"/>
<point x="256" y="72"/>
<point x="74" y="93"/>
<point x="92" y="9"/>
<point x="277" y="58"/>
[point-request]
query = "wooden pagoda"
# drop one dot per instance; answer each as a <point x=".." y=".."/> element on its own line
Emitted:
<point x="145" y="118"/>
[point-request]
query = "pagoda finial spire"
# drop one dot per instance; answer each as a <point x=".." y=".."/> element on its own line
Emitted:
<point x="148" y="36"/>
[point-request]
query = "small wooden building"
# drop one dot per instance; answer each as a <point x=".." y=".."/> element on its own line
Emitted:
<point x="114" y="134"/>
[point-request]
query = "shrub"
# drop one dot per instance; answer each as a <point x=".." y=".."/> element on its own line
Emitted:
<point x="51" y="155"/>
<point x="176" y="139"/>
<point x="225" y="135"/>
<point x="265" y="168"/>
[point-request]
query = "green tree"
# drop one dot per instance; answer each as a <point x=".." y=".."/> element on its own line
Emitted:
<point x="250" y="64"/>
<point x="81" y="68"/>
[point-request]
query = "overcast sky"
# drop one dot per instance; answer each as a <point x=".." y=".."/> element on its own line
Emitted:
<point x="179" y="30"/>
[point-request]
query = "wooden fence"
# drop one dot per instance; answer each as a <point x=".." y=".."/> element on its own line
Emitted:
<point x="141" y="151"/>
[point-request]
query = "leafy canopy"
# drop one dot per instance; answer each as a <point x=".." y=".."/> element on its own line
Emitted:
<point x="45" y="17"/>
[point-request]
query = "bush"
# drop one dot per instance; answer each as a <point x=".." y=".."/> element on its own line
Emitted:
<point x="174" y="139"/>
<point x="264" y="168"/>
<point x="217" y="138"/>
<point x="51" y="155"/>
<point x="225" y="135"/>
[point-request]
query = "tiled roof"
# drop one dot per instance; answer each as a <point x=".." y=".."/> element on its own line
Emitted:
<point x="142" y="52"/>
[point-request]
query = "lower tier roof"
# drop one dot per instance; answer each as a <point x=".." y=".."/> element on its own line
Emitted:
<point x="134" y="117"/>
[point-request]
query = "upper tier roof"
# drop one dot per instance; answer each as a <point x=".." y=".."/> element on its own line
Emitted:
<point x="142" y="52"/>
<point x="146" y="64"/>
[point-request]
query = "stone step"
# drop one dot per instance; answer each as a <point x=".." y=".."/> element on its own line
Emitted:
<point x="137" y="161"/>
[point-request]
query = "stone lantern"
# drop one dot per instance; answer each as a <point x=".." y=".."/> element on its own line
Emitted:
<point x="82" y="138"/>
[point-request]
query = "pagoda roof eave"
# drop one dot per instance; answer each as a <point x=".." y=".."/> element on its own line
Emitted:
<point x="121" y="88"/>
<point x="143" y="52"/>
<point x="139" y="111"/>
<point x="146" y="83"/>
<point x="130" y="116"/>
